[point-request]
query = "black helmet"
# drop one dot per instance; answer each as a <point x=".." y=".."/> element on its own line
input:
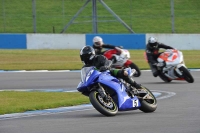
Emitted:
<point x="152" y="42"/>
<point x="87" y="53"/>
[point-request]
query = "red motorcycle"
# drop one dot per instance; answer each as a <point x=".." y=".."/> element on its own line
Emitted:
<point x="122" y="60"/>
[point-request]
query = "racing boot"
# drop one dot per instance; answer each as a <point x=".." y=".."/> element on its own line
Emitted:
<point x="155" y="73"/>
<point x="129" y="80"/>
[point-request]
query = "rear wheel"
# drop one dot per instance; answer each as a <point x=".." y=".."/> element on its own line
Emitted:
<point x="134" y="66"/>
<point x="147" y="100"/>
<point x="107" y="108"/>
<point x="186" y="74"/>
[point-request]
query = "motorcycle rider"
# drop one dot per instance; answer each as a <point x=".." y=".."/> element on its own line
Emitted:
<point x="89" y="58"/>
<point x="152" y="53"/>
<point x="98" y="46"/>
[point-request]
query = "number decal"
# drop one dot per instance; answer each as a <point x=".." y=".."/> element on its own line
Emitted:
<point x="135" y="103"/>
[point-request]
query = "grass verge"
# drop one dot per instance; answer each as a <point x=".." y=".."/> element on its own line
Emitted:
<point x="12" y="102"/>
<point x="70" y="59"/>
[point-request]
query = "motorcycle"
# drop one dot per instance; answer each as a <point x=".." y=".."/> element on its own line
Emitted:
<point x="108" y="94"/>
<point x="122" y="60"/>
<point x="174" y="68"/>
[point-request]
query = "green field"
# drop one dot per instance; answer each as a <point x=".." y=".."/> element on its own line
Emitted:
<point x="70" y="59"/>
<point x="12" y="102"/>
<point x="143" y="16"/>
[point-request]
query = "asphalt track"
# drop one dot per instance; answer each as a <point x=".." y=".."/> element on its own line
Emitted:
<point x="177" y="113"/>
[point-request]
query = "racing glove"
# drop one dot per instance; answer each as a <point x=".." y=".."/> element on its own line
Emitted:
<point x="120" y="47"/>
<point x="118" y="50"/>
<point x="160" y="64"/>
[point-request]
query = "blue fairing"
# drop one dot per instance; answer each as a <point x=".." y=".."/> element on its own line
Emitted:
<point x="123" y="101"/>
<point x="82" y="87"/>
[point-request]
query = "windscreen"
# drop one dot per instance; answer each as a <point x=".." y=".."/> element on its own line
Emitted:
<point x="84" y="73"/>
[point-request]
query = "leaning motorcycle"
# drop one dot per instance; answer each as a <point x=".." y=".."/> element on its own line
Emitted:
<point x="122" y="60"/>
<point x="174" y="68"/>
<point x="108" y="95"/>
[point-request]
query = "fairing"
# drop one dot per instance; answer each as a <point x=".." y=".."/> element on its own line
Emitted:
<point x="122" y="59"/>
<point x="174" y="60"/>
<point x="171" y="57"/>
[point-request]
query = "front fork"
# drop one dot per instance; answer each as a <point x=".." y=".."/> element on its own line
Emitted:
<point x="178" y="71"/>
<point x="102" y="92"/>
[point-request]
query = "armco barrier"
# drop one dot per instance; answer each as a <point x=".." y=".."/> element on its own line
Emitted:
<point x="13" y="41"/>
<point x="77" y="41"/>
<point x="128" y="41"/>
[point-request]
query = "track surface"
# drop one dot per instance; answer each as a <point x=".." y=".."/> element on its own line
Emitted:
<point x="177" y="114"/>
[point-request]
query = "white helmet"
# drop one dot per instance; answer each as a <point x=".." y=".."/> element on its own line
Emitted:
<point x="97" y="41"/>
<point x="152" y="40"/>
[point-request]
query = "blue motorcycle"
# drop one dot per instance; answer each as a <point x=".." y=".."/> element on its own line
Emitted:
<point x="108" y="94"/>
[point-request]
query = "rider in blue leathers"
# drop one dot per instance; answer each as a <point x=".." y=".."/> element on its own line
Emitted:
<point x="89" y="58"/>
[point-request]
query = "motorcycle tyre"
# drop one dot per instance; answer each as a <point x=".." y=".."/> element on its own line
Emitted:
<point x="134" y="66"/>
<point x="147" y="107"/>
<point x="99" y="107"/>
<point x="186" y="74"/>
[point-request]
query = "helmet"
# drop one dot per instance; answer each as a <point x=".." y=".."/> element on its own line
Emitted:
<point x="87" y="53"/>
<point x="152" y="42"/>
<point x="97" y="41"/>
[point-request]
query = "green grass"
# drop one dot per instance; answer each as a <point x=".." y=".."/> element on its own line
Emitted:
<point x="143" y="16"/>
<point x="39" y="59"/>
<point x="12" y="102"/>
<point x="70" y="59"/>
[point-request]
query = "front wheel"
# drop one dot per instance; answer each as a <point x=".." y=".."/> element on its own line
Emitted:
<point x="134" y="66"/>
<point x="186" y="74"/>
<point x="148" y="101"/>
<point x="164" y="78"/>
<point x="107" y="108"/>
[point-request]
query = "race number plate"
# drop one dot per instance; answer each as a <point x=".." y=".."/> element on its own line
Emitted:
<point x="135" y="103"/>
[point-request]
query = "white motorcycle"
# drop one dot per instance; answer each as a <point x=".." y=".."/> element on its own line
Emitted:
<point x="174" y="68"/>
